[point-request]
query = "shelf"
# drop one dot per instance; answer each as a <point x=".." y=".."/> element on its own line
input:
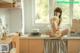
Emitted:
<point x="10" y="5"/>
<point x="6" y="5"/>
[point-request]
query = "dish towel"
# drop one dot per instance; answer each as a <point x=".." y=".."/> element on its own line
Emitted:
<point x="55" y="46"/>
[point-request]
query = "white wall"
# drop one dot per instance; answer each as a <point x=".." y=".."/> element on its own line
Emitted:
<point x="15" y="20"/>
<point x="27" y="15"/>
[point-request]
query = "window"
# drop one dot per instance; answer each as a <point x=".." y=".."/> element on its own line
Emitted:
<point x="41" y="11"/>
<point x="69" y="7"/>
<point x="42" y="8"/>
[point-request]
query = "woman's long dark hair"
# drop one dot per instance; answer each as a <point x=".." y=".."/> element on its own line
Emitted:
<point x="60" y="11"/>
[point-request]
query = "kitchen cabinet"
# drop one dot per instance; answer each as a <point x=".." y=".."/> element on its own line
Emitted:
<point x="74" y="46"/>
<point x="23" y="46"/>
<point x="15" y="43"/>
<point x="36" y="46"/>
<point x="31" y="46"/>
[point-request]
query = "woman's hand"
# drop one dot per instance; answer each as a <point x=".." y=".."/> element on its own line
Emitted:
<point x="65" y="32"/>
<point x="56" y="34"/>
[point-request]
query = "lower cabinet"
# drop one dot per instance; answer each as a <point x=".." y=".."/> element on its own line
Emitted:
<point x="73" y="46"/>
<point x="23" y="46"/>
<point x="31" y="46"/>
<point x="36" y="46"/>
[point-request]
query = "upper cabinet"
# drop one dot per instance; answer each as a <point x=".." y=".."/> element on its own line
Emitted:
<point x="10" y="4"/>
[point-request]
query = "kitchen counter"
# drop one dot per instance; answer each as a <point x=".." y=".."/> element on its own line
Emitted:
<point x="36" y="44"/>
<point x="47" y="37"/>
<point x="7" y="41"/>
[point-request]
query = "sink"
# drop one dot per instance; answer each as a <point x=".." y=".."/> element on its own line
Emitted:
<point x="75" y="34"/>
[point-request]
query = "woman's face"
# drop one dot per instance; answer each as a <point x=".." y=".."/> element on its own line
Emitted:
<point x="57" y="14"/>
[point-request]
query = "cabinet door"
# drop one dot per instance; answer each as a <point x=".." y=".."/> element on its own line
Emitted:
<point x="36" y="46"/>
<point x="16" y="43"/>
<point x="73" y="46"/>
<point x="24" y="47"/>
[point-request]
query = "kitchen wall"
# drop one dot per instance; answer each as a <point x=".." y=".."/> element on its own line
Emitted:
<point x="4" y="13"/>
<point x="27" y="15"/>
<point x="15" y="20"/>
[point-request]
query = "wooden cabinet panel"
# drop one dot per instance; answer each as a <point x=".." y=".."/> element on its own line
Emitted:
<point x="16" y="39"/>
<point x="36" y="46"/>
<point x="24" y="46"/>
<point x="73" y="46"/>
<point x="31" y="45"/>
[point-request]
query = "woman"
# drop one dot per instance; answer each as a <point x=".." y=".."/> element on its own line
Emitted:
<point x="56" y="45"/>
<point x="56" y="24"/>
